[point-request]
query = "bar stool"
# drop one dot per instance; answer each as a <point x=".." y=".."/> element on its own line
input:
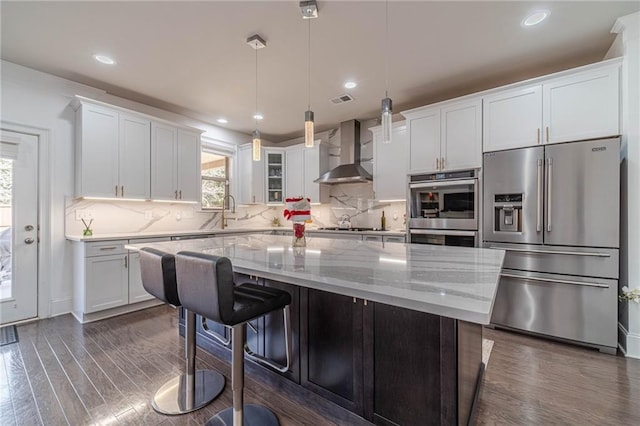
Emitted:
<point x="206" y="286"/>
<point x="194" y="388"/>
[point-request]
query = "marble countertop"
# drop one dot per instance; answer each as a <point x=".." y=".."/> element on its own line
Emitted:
<point x="159" y="234"/>
<point x="455" y="282"/>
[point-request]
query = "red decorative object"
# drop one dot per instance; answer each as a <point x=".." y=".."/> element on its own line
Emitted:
<point x="298" y="235"/>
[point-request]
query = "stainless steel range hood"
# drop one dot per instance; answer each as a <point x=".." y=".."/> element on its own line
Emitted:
<point x="349" y="170"/>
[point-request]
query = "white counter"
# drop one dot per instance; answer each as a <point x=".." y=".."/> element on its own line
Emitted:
<point x="455" y="282"/>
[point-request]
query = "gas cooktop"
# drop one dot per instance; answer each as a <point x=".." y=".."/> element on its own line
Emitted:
<point x="353" y="229"/>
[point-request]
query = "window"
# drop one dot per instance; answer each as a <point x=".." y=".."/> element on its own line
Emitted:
<point x="215" y="179"/>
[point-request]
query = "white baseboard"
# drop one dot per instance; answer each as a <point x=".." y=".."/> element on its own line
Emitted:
<point x="61" y="306"/>
<point x="632" y="343"/>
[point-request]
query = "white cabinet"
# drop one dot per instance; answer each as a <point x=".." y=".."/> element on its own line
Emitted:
<point x="295" y="172"/>
<point x="174" y="163"/>
<point x="582" y="106"/>
<point x="576" y="106"/>
<point x="101" y="279"/>
<point x="250" y="176"/>
<point x="112" y="153"/>
<point x="303" y="166"/>
<point x="390" y="163"/>
<point x="512" y="118"/>
<point x="137" y="293"/>
<point x="275" y="175"/>
<point x="134" y="170"/>
<point x="447" y="137"/>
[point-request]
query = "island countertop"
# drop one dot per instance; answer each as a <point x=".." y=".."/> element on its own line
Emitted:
<point x="455" y="282"/>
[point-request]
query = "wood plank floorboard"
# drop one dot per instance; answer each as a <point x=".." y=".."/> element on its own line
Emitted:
<point x="62" y="372"/>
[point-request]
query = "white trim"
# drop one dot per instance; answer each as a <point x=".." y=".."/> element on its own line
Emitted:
<point x="218" y="147"/>
<point x="632" y="349"/>
<point x="61" y="306"/>
<point x="45" y="188"/>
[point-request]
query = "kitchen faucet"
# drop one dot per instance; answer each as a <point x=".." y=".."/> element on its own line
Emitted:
<point x="230" y="197"/>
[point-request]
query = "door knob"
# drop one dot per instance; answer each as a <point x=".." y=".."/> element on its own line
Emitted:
<point x="29" y="240"/>
<point x="28" y="228"/>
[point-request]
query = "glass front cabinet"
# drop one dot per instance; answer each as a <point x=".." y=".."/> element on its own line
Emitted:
<point x="275" y="176"/>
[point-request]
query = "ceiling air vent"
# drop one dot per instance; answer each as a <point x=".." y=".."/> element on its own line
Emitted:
<point x="341" y="99"/>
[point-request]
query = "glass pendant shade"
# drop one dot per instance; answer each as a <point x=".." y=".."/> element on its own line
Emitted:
<point x="308" y="129"/>
<point x="387" y="125"/>
<point x="257" y="145"/>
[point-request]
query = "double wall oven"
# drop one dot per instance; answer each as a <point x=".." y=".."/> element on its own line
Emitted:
<point x="443" y="208"/>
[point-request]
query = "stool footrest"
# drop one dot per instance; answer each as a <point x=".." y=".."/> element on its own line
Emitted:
<point x="287" y="341"/>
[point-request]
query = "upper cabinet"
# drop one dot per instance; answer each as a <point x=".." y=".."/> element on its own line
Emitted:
<point x="275" y="175"/>
<point x="391" y="163"/>
<point x="174" y="163"/>
<point x="575" y="106"/>
<point x="513" y="118"/>
<point x="250" y="176"/>
<point x="582" y="106"/>
<point x="303" y="166"/>
<point x="445" y="137"/>
<point x="112" y="153"/>
<point x="123" y="154"/>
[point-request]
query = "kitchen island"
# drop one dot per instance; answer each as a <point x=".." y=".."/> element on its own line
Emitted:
<point x="391" y="332"/>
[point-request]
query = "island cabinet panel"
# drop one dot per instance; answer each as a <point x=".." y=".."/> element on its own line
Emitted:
<point x="331" y="344"/>
<point x="409" y="371"/>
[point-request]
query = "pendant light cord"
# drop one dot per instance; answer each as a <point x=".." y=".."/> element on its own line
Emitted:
<point x="256" y="110"/>
<point x="386" y="47"/>
<point x="309" y="67"/>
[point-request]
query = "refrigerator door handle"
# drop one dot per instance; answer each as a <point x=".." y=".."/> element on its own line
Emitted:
<point x="568" y="253"/>
<point x="549" y="186"/>
<point x="539" y="197"/>
<point x="549" y="280"/>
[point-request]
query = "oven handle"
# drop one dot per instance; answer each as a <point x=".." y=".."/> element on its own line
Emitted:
<point x="443" y="183"/>
<point x="443" y="232"/>
<point x="549" y="280"/>
<point x="568" y="253"/>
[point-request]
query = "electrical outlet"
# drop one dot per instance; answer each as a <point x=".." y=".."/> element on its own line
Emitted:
<point x="148" y="214"/>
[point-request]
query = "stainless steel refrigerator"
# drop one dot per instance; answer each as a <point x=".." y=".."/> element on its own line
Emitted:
<point x="556" y="210"/>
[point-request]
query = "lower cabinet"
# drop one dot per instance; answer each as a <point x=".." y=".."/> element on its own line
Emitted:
<point x="332" y="347"/>
<point x="107" y="282"/>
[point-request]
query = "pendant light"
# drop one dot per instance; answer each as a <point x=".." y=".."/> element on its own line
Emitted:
<point x="256" y="42"/>
<point x="309" y="11"/>
<point x="386" y="107"/>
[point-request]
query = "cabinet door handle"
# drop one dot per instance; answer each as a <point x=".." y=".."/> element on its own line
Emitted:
<point x="108" y="248"/>
<point x="437" y="163"/>
<point x="442" y="163"/>
<point x="126" y="262"/>
<point x="354" y="300"/>
<point x="538" y="137"/>
<point x="176" y="196"/>
<point x="547" y="133"/>
<point x="180" y="194"/>
<point x="116" y="190"/>
<point x="365" y="302"/>
<point x="122" y="191"/>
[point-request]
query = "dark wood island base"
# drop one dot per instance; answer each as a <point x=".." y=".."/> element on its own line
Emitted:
<point x="358" y="361"/>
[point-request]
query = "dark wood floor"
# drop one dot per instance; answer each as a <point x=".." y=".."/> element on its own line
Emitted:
<point x="105" y="372"/>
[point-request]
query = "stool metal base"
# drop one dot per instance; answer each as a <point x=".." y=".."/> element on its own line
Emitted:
<point x="173" y="397"/>
<point x="254" y="415"/>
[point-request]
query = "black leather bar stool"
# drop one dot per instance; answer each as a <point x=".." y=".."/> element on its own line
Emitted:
<point x="205" y="286"/>
<point x="194" y="388"/>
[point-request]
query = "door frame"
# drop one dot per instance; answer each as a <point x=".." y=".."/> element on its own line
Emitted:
<point x="45" y="188"/>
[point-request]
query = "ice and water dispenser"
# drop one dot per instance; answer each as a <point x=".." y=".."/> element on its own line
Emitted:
<point x="508" y="212"/>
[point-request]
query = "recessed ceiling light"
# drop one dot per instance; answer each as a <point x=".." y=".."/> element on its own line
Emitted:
<point x="104" y="59"/>
<point x="222" y="120"/>
<point x="258" y="117"/>
<point x="535" y="18"/>
<point x="350" y="85"/>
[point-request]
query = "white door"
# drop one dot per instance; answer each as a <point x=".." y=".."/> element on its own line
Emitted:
<point x="188" y="166"/>
<point x="294" y="174"/>
<point x="135" y="152"/>
<point x="461" y="136"/>
<point x="164" y="168"/>
<point x="424" y="142"/>
<point x="390" y="165"/>
<point x="18" y="226"/>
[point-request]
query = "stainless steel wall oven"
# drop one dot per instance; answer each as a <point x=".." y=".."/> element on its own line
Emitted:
<point x="443" y="208"/>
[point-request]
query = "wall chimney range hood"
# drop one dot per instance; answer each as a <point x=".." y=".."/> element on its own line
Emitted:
<point x="349" y="170"/>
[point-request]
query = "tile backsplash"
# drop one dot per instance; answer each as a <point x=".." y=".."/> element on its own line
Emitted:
<point x="132" y="217"/>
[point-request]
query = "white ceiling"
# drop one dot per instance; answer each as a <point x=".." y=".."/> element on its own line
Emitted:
<point x="192" y="58"/>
